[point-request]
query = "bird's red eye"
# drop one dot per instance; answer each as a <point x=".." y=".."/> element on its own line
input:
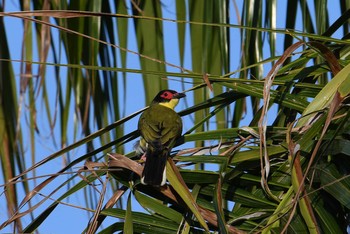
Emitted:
<point x="167" y="95"/>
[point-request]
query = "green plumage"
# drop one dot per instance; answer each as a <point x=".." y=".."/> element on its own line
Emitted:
<point x="160" y="123"/>
<point x="159" y="127"/>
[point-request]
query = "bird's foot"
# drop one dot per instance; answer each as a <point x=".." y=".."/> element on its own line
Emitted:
<point x="143" y="157"/>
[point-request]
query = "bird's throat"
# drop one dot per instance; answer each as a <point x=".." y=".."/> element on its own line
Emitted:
<point x="171" y="104"/>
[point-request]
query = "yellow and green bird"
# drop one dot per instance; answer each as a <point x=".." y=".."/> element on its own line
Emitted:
<point x="159" y="127"/>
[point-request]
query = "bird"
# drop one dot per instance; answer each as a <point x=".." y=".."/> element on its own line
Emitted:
<point x="159" y="127"/>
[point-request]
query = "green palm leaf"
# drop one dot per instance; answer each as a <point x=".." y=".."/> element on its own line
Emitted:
<point x="66" y="130"/>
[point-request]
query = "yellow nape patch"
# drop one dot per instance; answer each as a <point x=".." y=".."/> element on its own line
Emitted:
<point x="171" y="104"/>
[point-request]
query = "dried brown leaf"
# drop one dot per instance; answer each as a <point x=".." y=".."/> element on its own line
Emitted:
<point x="328" y="55"/>
<point x="119" y="160"/>
<point x="207" y="81"/>
<point x="264" y="158"/>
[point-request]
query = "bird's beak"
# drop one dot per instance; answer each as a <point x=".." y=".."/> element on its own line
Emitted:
<point x="179" y="95"/>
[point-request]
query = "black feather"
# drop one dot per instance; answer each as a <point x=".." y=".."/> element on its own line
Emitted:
<point x="156" y="157"/>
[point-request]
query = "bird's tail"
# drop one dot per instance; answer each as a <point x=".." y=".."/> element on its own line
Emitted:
<point x="154" y="172"/>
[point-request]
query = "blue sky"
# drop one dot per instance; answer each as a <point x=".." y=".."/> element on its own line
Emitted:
<point x="73" y="220"/>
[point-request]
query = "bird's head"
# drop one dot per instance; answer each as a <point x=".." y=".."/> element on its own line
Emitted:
<point x="168" y="98"/>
